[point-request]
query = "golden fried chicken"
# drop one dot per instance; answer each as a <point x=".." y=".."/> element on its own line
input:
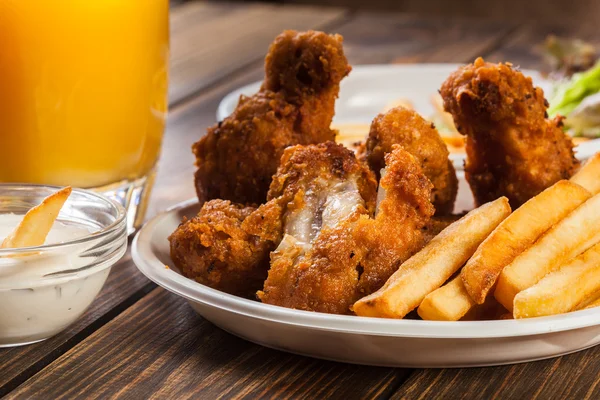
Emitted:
<point x="316" y="189"/>
<point x="213" y="249"/>
<point x="513" y="149"/>
<point x="396" y="233"/>
<point x="420" y="138"/>
<point x="333" y="249"/>
<point x="295" y="105"/>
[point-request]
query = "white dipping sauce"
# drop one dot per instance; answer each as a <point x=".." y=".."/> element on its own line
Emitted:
<point x="34" y="306"/>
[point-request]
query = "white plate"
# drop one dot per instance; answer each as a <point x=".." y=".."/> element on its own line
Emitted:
<point x="370" y="88"/>
<point x="373" y="341"/>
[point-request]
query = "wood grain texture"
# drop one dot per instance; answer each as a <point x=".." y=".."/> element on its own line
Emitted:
<point x="161" y="349"/>
<point x="124" y="286"/>
<point x="375" y="37"/>
<point x="569" y="377"/>
<point x="524" y="46"/>
<point x="211" y="40"/>
<point x="530" y="12"/>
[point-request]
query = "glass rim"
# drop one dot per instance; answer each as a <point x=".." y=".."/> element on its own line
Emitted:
<point x="119" y="212"/>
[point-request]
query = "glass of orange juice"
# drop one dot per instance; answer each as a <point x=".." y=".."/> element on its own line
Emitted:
<point x="83" y="94"/>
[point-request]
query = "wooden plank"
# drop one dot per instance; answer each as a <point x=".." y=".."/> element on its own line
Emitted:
<point x="211" y="40"/>
<point x="179" y="352"/>
<point x="136" y="357"/>
<point x="124" y="286"/>
<point x="530" y="12"/>
<point x="570" y="377"/>
<point x="524" y="47"/>
<point x="374" y="38"/>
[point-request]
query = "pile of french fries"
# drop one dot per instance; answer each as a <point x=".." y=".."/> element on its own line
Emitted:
<point x="494" y="263"/>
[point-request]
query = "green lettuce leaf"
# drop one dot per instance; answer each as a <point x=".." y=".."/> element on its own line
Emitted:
<point x="569" y="94"/>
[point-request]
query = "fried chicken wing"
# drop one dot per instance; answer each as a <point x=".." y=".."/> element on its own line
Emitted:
<point x="295" y="105"/>
<point x="333" y="249"/>
<point x="396" y="232"/>
<point x="420" y="138"/>
<point x="214" y="249"/>
<point x="513" y="149"/>
<point x="316" y="189"/>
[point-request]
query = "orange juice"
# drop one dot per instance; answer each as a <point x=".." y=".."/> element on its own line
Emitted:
<point x="83" y="89"/>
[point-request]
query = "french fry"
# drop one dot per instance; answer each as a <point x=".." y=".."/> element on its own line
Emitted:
<point x="36" y="224"/>
<point x="447" y="303"/>
<point x="438" y="103"/>
<point x="455" y="144"/>
<point x="351" y="134"/>
<point x="570" y="237"/>
<point x="451" y="302"/>
<point x="589" y="302"/>
<point x="589" y="175"/>
<point x="562" y="290"/>
<point x="593" y="304"/>
<point x="351" y="131"/>
<point x="434" y="264"/>
<point x="518" y="232"/>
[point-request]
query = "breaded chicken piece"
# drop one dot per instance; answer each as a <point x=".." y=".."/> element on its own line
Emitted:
<point x="513" y="149"/>
<point x="396" y="232"/>
<point x="420" y="138"/>
<point x="333" y="250"/>
<point x="307" y="177"/>
<point x="315" y="190"/>
<point x="295" y="105"/>
<point x="213" y="249"/>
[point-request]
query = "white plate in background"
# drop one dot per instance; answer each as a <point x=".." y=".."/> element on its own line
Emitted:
<point x="370" y="88"/>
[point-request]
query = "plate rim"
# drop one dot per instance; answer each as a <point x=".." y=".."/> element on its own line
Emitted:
<point x="150" y="266"/>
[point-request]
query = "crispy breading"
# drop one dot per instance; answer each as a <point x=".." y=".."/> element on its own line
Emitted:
<point x="420" y="138"/>
<point x="396" y="232"/>
<point x="352" y="253"/>
<point x="295" y="105"/>
<point x="316" y="190"/>
<point x="307" y="173"/>
<point x="213" y="249"/>
<point x="513" y="149"/>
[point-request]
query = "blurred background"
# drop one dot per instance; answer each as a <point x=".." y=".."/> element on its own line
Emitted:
<point x="548" y="10"/>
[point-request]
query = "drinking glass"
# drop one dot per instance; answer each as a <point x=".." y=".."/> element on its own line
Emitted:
<point x="83" y="95"/>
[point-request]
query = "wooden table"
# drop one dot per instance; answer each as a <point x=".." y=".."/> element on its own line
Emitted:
<point x="138" y="340"/>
